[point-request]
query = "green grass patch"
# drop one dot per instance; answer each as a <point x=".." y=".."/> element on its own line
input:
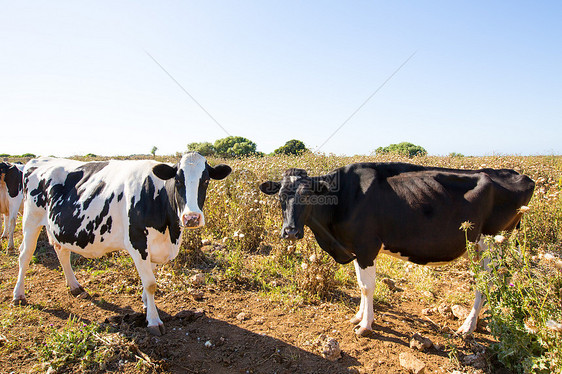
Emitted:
<point x="79" y="345"/>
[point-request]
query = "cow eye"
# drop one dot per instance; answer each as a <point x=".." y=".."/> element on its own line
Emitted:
<point x="179" y="182"/>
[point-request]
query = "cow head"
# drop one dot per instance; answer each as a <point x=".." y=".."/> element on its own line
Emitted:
<point x="191" y="178"/>
<point x="297" y="194"/>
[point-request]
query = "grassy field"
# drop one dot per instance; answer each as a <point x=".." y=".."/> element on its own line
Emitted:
<point x="240" y="248"/>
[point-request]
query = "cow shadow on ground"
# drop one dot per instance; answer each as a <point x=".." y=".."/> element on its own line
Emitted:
<point x="195" y="343"/>
<point x="391" y="320"/>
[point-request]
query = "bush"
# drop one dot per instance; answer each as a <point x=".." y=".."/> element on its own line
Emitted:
<point x="524" y="295"/>
<point x="203" y="148"/>
<point x="404" y="148"/>
<point x="235" y="146"/>
<point x="292" y="147"/>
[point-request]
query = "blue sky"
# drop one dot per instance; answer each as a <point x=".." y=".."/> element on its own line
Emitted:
<point x="486" y="77"/>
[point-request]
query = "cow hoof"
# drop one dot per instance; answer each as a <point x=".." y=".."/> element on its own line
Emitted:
<point x="362" y="331"/>
<point x="20" y="301"/>
<point x="80" y="293"/>
<point x="464" y="331"/>
<point x="157" y="330"/>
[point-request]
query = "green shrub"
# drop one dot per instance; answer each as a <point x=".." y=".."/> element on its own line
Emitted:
<point x="204" y="148"/>
<point x="292" y="147"/>
<point x="404" y="149"/>
<point x="234" y="146"/>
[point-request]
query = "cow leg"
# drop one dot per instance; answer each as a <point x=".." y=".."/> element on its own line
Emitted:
<point x="471" y="321"/>
<point x="144" y="267"/>
<point x="30" y="235"/>
<point x="10" y="227"/>
<point x="5" y="230"/>
<point x="365" y="316"/>
<point x="64" y="258"/>
<point x="144" y="292"/>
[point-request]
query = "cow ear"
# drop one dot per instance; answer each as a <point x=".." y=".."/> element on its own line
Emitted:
<point x="321" y="187"/>
<point x="270" y="188"/>
<point x="219" y="172"/>
<point x="164" y="171"/>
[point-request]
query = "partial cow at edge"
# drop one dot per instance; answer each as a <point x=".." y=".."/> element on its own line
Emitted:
<point x="94" y="208"/>
<point x="11" y="198"/>
<point x="407" y="211"/>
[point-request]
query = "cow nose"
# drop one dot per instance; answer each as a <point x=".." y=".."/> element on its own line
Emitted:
<point x="191" y="219"/>
<point x="290" y="233"/>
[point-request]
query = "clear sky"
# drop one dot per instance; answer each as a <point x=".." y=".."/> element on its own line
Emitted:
<point x="76" y="76"/>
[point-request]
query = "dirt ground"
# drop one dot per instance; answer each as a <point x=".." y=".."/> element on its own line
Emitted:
<point x="210" y="335"/>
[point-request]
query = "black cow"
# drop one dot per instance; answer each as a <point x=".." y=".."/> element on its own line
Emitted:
<point x="11" y="198"/>
<point x="97" y="207"/>
<point x="408" y="211"/>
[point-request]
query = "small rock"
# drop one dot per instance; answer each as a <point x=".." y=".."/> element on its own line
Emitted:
<point x="460" y="311"/>
<point x="195" y="294"/>
<point x="420" y="343"/>
<point x="197" y="279"/>
<point x="389" y="283"/>
<point x="330" y="348"/>
<point x="445" y="311"/>
<point x="205" y="242"/>
<point x="428" y="294"/>
<point x="242" y="316"/>
<point x="189" y="315"/>
<point x="475" y="360"/>
<point x="428" y="311"/>
<point x="208" y="344"/>
<point x="409" y="362"/>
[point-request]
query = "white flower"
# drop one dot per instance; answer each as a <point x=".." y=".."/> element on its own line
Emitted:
<point x="549" y="257"/>
<point x="499" y="239"/>
<point x="304" y="266"/>
<point x="553" y="325"/>
<point x="524" y="209"/>
<point x="530" y="326"/>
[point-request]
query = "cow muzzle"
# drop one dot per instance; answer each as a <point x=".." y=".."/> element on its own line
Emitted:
<point x="192" y="220"/>
<point x="291" y="233"/>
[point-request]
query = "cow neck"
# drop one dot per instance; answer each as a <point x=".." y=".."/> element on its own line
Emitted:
<point x="320" y="219"/>
<point x="170" y="186"/>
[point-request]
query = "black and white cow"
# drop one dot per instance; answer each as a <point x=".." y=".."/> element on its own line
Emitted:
<point x="11" y="198"/>
<point x="408" y="211"/>
<point x="97" y="207"/>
